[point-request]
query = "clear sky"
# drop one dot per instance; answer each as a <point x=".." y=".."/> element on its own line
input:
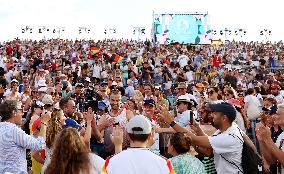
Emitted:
<point x="123" y="15"/>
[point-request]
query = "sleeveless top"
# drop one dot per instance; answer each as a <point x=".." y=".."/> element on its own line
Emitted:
<point x="109" y="146"/>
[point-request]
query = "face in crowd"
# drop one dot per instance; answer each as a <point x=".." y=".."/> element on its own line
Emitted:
<point x="148" y="90"/>
<point x="14" y="87"/>
<point x="70" y="108"/>
<point x="149" y="110"/>
<point x="212" y="94"/>
<point x="115" y="100"/>
<point x="182" y="107"/>
<point x="218" y="119"/>
<point x="279" y="116"/>
<point x="181" y="89"/>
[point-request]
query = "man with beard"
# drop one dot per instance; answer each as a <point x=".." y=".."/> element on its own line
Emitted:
<point x="226" y="143"/>
<point x="68" y="106"/>
<point x="117" y="116"/>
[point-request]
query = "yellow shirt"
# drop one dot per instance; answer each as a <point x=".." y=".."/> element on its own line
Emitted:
<point x="36" y="166"/>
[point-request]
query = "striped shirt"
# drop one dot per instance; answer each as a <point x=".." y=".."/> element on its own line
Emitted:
<point x="13" y="144"/>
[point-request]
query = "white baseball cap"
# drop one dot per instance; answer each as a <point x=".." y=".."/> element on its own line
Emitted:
<point x="183" y="98"/>
<point x="139" y="121"/>
<point x="42" y="89"/>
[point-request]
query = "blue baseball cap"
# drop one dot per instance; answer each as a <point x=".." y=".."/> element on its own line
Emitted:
<point x="224" y="107"/>
<point x="104" y="83"/>
<point x="101" y="105"/>
<point x="150" y="102"/>
<point x="69" y="122"/>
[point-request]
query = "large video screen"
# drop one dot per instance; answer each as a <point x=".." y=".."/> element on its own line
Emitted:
<point x="182" y="28"/>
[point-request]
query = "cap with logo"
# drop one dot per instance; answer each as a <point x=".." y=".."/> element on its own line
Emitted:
<point x="150" y="102"/>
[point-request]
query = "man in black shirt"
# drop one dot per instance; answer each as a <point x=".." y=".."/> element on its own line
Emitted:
<point x="147" y="72"/>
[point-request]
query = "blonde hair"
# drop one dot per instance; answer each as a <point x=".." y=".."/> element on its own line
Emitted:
<point x="70" y="154"/>
<point x="53" y="127"/>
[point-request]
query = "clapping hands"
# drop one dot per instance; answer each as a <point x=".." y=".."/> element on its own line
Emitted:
<point x="106" y="121"/>
<point x="117" y="136"/>
<point x="262" y="132"/>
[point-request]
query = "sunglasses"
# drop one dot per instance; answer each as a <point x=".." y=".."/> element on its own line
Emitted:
<point x="210" y="92"/>
<point x="40" y="107"/>
<point x="181" y="89"/>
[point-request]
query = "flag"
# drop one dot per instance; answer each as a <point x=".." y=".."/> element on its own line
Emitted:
<point x="94" y="50"/>
<point x="117" y="58"/>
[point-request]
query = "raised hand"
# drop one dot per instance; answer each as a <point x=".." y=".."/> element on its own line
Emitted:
<point x="117" y="136"/>
<point x="262" y="132"/>
<point x="164" y="114"/>
<point x="106" y="121"/>
<point x="89" y="115"/>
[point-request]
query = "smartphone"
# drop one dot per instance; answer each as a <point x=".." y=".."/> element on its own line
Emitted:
<point x="191" y="118"/>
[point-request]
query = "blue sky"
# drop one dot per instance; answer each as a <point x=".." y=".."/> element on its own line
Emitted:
<point x="125" y="14"/>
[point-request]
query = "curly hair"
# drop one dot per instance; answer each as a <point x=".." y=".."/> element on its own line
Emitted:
<point x="70" y="155"/>
<point x="53" y="127"/>
<point x="181" y="142"/>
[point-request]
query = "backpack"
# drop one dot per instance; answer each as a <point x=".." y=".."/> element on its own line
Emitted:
<point x="251" y="160"/>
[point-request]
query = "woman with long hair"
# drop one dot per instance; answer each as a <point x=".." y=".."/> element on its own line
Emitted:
<point x="54" y="126"/>
<point x="70" y="155"/>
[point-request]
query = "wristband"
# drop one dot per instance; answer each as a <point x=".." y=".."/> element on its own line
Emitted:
<point x="173" y="123"/>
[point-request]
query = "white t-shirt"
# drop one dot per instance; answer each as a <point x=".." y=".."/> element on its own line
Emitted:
<point x="96" y="71"/>
<point x="189" y="76"/>
<point x="97" y="163"/>
<point x="183" y="59"/>
<point x="282" y="93"/>
<point x="138" y="161"/>
<point x="129" y="91"/>
<point x="279" y="139"/>
<point x="279" y="99"/>
<point x="229" y="147"/>
<point x="252" y="98"/>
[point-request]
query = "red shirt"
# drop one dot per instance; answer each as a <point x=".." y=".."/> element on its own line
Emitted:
<point x="9" y="50"/>
<point x="216" y="61"/>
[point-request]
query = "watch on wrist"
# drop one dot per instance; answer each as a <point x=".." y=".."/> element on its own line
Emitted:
<point x="173" y="123"/>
